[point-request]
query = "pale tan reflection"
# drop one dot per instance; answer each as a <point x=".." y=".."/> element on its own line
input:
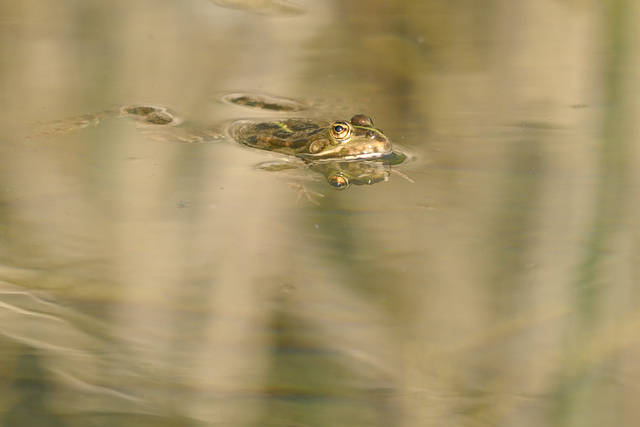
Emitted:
<point x="199" y="300"/>
<point x="267" y="7"/>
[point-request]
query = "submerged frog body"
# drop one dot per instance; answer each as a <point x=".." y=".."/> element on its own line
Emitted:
<point x="315" y="140"/>
<point x="345" y="152"/>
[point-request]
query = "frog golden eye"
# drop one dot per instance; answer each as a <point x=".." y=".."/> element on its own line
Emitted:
<point x="340" y="131"/>
<point x="338" y="181"/>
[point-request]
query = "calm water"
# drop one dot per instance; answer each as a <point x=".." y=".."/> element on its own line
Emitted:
<point x="145" y="283"/>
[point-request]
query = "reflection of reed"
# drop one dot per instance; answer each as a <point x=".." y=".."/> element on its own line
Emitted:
<point x="331" y="353"/>
<point x="604" y="332"/>
<point x="500" y="289"/>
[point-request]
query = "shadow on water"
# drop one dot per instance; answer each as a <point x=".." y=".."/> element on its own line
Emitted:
<point x="145" y="281"/>
<point x="31" y="387"/>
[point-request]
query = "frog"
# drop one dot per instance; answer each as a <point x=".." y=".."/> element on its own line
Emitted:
<point x="345" y="152"/>
<point x="315" y="140"/>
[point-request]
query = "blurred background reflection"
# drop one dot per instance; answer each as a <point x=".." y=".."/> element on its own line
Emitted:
<point x="167" y="284"/>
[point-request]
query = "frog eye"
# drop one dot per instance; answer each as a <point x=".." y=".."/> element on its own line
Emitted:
<point x="362" y="120"/>
<point x="340" y="131"/>
<point x="337" y="181"/>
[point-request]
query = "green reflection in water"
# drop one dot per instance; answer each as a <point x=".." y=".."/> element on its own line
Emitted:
<point x="583" y="389"/>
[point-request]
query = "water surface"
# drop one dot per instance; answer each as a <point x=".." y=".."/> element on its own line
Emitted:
<point x="150" y="283"/>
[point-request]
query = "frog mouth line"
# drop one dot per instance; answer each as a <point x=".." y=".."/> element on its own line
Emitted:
<point x="343" y="152"/>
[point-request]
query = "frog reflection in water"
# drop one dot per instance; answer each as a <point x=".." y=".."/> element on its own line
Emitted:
<point x="346" y="153"/>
